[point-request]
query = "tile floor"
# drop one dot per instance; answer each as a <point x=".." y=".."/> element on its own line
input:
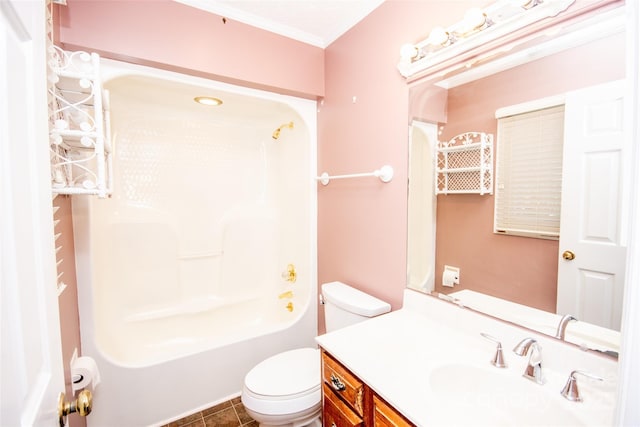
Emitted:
<point x="227" y="414"/>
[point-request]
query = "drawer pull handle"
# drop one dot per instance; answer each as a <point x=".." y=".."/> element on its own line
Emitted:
<point x="333" y="425"/>
<point x="337" y="384"/>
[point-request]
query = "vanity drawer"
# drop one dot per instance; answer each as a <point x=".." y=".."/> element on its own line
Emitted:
<point x="343" y="383"/>
<point x="385" y="416"/>
<point x="336" y="413"/>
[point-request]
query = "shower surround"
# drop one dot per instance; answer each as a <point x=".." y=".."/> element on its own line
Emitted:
<point x="183" y="274"/>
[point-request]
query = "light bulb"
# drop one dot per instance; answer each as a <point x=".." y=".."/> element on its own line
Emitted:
<point x="474" y="19"/>
<point x="438" y="37"/>
<point x="408" y="52"/>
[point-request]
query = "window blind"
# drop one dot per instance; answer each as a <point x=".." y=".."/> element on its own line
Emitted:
<point x="529" y="173"/>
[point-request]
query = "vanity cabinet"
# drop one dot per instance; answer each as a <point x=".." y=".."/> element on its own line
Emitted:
<point x="385" y="416"/>
<point x="348" y="402"/>
<point x="343" y="395"/>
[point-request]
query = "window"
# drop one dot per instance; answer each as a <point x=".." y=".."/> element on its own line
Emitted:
<point x="529" y="173"/>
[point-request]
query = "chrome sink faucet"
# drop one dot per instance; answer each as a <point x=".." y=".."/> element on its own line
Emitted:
<point x="562" y="326"/>
<point x="533" y="371"/>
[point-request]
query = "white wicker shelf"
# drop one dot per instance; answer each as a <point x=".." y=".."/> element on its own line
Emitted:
<point x="80" y="151"/>
<point x="464" y="164"/>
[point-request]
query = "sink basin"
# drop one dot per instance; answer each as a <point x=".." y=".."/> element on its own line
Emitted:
<point x="473" y="395"/>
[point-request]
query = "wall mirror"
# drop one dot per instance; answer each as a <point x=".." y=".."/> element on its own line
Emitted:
<point x="577" y="63"/>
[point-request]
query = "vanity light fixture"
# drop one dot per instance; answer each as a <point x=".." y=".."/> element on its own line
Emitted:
<point x="208" y="100"/>
<point x="479" y="26"/>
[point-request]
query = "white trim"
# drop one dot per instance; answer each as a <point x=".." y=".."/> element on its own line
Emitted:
<point x="526" y="107"/>
<point x="323" y="40"/>
<point x="255" y="21"/>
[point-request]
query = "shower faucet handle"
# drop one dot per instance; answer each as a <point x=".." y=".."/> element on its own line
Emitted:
<point x="498" y="359"/>
<point x="290" y="275"/>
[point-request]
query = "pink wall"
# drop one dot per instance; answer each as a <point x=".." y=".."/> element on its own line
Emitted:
<point x="362" y="223"/>
<point x="518" y="269"/>
<point x="68" y="300"/>
<point x="170" y="35"/>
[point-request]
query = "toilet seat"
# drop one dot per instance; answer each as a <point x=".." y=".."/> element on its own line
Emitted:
<point x="286" y="383"/>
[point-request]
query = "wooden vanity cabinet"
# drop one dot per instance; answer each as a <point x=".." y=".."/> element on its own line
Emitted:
<point x="336" y="413"/>
<point x="348" y="402"/>
<point x="385" y="416"/>
<point x="343" y="395"/>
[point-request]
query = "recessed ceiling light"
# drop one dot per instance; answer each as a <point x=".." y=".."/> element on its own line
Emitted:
<point x="207" y="100"/>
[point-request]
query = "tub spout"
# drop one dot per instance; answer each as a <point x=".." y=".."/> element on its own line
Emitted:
<point x="288" y="294"/>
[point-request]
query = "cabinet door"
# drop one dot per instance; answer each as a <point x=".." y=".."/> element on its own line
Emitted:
<point x="336" y="413"/>
<point x="385" y="416"/>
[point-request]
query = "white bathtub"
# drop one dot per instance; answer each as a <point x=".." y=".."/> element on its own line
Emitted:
<point x="180" y="271"/>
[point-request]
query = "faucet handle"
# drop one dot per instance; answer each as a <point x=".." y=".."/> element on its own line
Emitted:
<point x="498" y="359"/>
<point x="570" y="390"/>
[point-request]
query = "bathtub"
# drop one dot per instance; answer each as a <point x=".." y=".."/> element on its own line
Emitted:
<point x="182" y="273"/>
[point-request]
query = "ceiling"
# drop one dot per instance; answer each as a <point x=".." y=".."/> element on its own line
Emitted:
<point x="315" y="22"/>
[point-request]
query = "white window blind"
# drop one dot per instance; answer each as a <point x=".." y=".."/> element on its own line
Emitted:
<point x="529" y="173"/>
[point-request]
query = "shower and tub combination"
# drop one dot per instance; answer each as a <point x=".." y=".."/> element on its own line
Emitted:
<point x="422" y="203"/>
<point x="202" y="263"/>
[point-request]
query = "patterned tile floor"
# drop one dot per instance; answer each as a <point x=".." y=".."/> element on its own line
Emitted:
<point x="227" y="414"/>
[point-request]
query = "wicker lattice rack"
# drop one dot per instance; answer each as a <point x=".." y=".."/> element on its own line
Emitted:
<point x="464" y="164"/>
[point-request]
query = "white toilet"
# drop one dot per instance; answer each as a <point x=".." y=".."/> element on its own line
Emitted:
<point x="285" y="389"/>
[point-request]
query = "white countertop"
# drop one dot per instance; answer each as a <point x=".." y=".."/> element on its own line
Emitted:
<point x="398" y="355"/>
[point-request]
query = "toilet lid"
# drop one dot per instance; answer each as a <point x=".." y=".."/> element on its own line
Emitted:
<point x="286" y="374"/>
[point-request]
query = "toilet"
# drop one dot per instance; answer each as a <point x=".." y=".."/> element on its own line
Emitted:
<point x="285" y="389"/>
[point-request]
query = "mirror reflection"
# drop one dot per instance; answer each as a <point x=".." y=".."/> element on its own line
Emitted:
<point x="526" y="279"/>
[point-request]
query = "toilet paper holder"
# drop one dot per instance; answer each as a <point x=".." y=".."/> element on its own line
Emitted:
<point x="450" y="276"/>
<point x="84" y="373"/>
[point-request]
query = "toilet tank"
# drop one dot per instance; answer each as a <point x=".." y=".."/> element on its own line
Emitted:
<point x="344" y="305"/>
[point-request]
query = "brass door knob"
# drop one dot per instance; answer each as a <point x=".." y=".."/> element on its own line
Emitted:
<point x="82" y="405"/>
<point x="568" y="255"/>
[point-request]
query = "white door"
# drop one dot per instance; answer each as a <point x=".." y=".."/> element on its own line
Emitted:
<point x="591" y="285"/>
<point x="32" y="373"/>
